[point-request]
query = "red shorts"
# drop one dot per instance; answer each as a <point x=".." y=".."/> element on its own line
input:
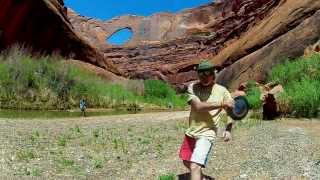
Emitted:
<point x="195" y="150"/>
<point x="187" y="147"/>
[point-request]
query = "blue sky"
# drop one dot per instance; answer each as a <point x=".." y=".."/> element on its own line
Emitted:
<point x="107" y="9"/>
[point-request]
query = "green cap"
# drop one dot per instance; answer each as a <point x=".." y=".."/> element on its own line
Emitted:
<point x="205" y="65"/>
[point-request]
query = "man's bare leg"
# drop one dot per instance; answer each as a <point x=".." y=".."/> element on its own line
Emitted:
<point x="196" y="172"/>
<point x="187" y="164"/>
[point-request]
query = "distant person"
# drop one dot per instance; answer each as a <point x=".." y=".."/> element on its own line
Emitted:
<point x="83" y="107"/>
<point x="208" y="102"/>
<point x="170" y="105"/>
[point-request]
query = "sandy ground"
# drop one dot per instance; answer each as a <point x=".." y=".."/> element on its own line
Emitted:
<point x="145" y="146"/>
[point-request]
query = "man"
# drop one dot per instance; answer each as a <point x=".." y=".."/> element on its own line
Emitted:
<point x="208" y="101"/>
<point x="83" y="106"/>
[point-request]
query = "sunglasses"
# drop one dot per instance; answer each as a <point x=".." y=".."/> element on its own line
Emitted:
<point x="205" y="73"/>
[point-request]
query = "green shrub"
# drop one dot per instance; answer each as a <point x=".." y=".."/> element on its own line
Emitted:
<point x="48" y="83"/>
<point x="292" y="71"/>
<point x="36" y="172"/>
<point x="303" y="97"/>
<point x="253" y="96"/>
<point x="25" y="155"/>
<point x="157" y="89"/>
<point x="162" y="94"/>
<point x="167" y="177"/>
<point x="301" y="81"/>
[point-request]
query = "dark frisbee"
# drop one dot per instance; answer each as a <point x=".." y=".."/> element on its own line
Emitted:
<point x="240" y="109"/>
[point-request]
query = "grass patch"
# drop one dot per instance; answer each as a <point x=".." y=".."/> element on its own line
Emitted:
<point x="64" y="164"/>
<point x="162" y="94"/>
<point x="44" y="83"/>
<point x="25" y="171"/>
<point x="36" y="172"/>
<point x="98" y="163"/>
<point x="67" y="162"/>
<point x="301" y="81"/>
<point x="170" y="176"/>
<point x="35" y="135"/>
<point x="62" y="141"/>
<point x="253" y="96"/>
<point x="248" y="123"/>
<point x="25" y="155"/>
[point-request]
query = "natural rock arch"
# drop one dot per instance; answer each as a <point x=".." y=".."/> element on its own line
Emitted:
<point x="118" y="33"/>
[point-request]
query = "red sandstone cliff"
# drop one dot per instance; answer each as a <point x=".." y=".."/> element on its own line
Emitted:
<point x="246" y="38"/>
<point x="44" y="26"/>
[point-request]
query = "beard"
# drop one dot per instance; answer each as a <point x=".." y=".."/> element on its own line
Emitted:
<point x="206" y="82"/>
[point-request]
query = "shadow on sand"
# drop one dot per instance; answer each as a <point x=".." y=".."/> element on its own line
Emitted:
<point x="186" y="176"/>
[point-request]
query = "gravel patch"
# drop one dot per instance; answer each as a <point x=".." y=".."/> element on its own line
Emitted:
<point x="146" y="146"/>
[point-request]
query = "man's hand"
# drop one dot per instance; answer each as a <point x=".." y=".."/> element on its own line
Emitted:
<point x="227" y="136"/>
<point x="228" y="104"/>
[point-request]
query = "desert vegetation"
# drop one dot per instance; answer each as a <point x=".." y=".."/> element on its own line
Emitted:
<point x="49" y="82"/>
<point x="301" y="81"/>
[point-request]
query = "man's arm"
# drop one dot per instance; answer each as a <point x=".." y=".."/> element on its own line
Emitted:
<point x="199" y="106"/>
<point x="208" y="106"/>
<point x="204" y="106"/>
<point x="229" y="127"/>
<point x="227" y="133"/>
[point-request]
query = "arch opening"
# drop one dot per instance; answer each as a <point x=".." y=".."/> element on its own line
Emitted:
<point x="120" y="37"/>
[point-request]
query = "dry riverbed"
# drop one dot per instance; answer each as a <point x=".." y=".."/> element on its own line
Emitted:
<point x="145" y="146"/>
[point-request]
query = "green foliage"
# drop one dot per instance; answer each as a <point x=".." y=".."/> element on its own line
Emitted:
<point x="26" y="171"/>
<point x="25" y="155"/>
<point x="62" y="140"/>
<point x="301" y="81"/>
<point x="48" y="83"/>
<point x="292" y="71"/>
<point x="253" y="121"/>
<point x="167" y="177"/>
<point x="98" y="163"/>
<point x="34" y="136"/>
<point x="253" y="96"/>
<point x="303" y="97"/>
<point x="158" y="89"/>
<point x="67" y="162"/>
<point x="36" y="172"/>
<point x="162" y="94"/>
